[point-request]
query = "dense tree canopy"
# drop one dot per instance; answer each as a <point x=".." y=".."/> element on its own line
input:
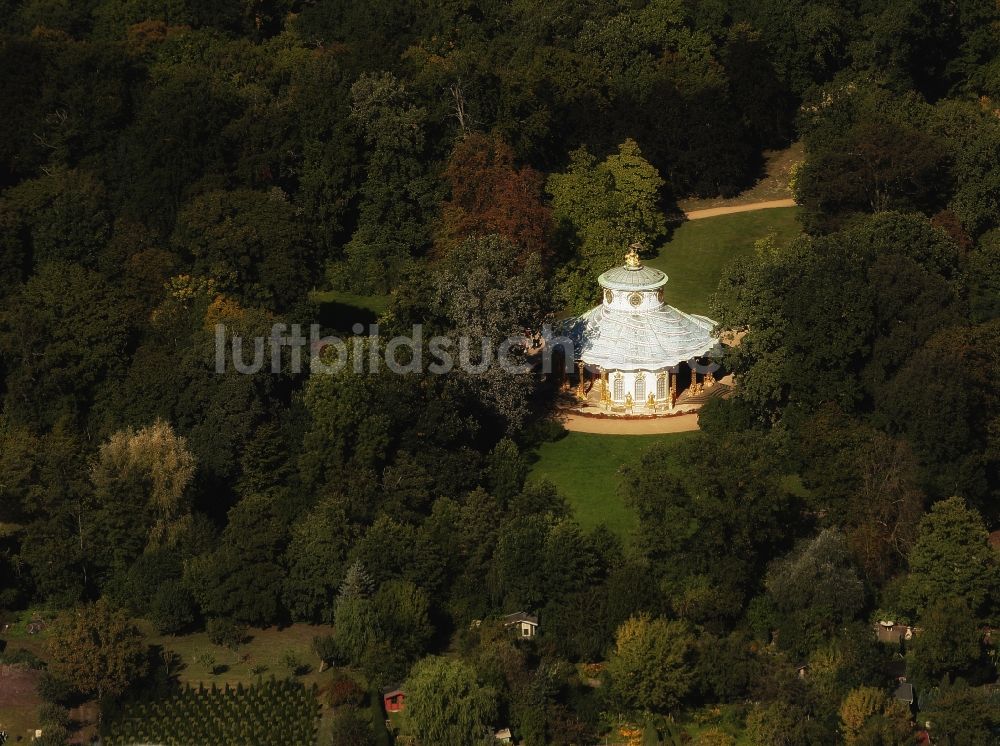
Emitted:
<point x="175" y="171"/>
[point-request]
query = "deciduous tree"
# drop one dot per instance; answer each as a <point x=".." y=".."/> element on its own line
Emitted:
<point x="652" y="663"/>
<point x="60" y="217"/>
<point x="446" y="704"/>
<point x="717" y="509"/>
<point x="66" y="335"/>
<point x="97" y="650"/>
<point x="961" y="715"/>
<point x="879" y="163"/>
<point x="488" y="294"/>
<point x="602" y="208"/>
<point x="490" y="194"/>
<point x="316" y="561"/>
<point x="815" y="588"/>
<point x="141" y="477"/>
<point x="951" y="559"/>
<point x="867" y="715"/>
<point x="398" y="195"/>
<point x="254" y="245"/>
<point x="242" y="579"/>
<point x="949" y="642"/>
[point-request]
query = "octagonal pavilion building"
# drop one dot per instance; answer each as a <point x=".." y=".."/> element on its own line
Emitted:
<point x="637" y="350"/>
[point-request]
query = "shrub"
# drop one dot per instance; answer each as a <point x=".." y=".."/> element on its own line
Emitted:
<point x="53" y="689"/>
<point x="172" y="609"/>
<point x="52" y="716"/>
<point x="52" y="736"/>
<point x="291" y="660"/>
<point x="344" y="690"/>
<point x="226" y="632"/>
<point x="544" y="431"/>
<point x="714" y="737"/>
<point x="325" y="647"/>
<point x="23" y="657"/>
<point x="351" y="728"/>
<point x="207" y="660"/>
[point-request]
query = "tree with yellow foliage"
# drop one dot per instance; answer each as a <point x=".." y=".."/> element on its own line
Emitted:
<point x="651" y="667"/>
<point x="867" y="715"/>
<point x="140" y="482"/>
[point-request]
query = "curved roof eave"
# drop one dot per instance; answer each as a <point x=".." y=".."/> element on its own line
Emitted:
<point x="648" y="340"/>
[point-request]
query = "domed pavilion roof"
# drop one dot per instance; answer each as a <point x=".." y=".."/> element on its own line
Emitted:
<point x="649" y="340"/>
<point x="632" y="276"/>
<point x="644" y="334"/>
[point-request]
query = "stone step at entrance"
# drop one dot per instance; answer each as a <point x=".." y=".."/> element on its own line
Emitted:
<point x="717" y="390"/>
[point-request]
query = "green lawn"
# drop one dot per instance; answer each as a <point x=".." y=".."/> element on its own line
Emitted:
<point x="341" y="311"/>
<point x="374" y="303"/>
<point x="585" y="468"/>
<point x="266" y="647"/>
<point x="698" y="251"/>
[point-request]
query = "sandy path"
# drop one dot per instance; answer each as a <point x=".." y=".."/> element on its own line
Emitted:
<point x="712" y="212"/>
<point x="681" y="423"/>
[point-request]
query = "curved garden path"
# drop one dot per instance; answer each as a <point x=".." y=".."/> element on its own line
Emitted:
<point x="681" y="423"/>
<point x="712" y="212"/>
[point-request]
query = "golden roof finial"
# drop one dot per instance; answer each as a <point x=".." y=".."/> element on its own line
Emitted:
<point x="632" y="257"/>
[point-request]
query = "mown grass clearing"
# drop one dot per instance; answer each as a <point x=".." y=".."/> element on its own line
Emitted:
<point x="699" y="250"/>
<point x="586" y="469"/>
<point x="267" y="652"/>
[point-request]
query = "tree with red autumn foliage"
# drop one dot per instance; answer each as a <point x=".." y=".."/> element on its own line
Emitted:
<point x="490" y="194"/>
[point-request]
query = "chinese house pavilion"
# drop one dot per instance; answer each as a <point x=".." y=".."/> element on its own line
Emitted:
<point x="635" y="351"/>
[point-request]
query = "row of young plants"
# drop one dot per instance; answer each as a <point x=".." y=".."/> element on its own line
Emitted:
<point x="280" y="712"/>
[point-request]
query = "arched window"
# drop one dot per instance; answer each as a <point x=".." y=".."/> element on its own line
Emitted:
<point x="661" y="386"/>
<point x="619" y="387"/>
<point x="640" y="387"/>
